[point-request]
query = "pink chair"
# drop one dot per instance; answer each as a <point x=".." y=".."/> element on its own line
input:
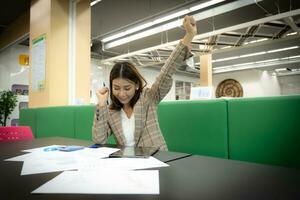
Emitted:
<point x="15" y="133"/>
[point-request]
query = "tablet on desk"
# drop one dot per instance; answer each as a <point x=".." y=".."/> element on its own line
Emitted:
<point x="134" y="152"/>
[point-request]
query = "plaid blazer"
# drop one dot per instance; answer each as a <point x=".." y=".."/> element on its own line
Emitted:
<point x="147" y="132"/>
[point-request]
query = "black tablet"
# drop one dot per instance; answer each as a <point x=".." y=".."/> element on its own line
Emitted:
<point x="134" y="152"/>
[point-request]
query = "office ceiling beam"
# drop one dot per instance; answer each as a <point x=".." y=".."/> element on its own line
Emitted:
<point x="291" y="23"/>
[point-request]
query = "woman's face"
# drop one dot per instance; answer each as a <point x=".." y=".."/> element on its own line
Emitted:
<point x="123" y="90"/>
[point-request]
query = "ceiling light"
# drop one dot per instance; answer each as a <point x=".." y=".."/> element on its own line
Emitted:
<point x="293" y="33"/>
<point x="256" y="54"/>
<point x="204" y="5"/>
<point x="171" y="16"/>
<point x="283" y="49"/>
<point x="254" y="41"/>
<point x="280" y="69"/>
<point x="225" y="59"/>
<point x="252" y="54"/>
<point x="269" y="60"/>
<point x="94" y="2"/>
<point x="162" y="19"/>
<point x="257" y="64"/>
<point x="226" y="47"/>
<point x="129" y="31"/>
<point x="291" y="57"/>
<point x="143" y="34"/>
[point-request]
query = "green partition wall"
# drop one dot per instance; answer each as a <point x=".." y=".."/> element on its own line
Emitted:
<point x="197" y="127"/>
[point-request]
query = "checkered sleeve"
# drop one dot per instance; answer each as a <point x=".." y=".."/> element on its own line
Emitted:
<point x="163" y="83"/>
<point x="101" y="129"/>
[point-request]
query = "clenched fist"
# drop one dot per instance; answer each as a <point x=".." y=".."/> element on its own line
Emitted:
<point x="102" y="95"/>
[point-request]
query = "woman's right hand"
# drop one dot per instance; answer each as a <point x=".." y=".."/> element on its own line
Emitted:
<point x="189" y="24"/>
<point x="102" y="95"/>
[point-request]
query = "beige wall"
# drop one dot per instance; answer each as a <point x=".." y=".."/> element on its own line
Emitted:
<point x="52" y="19"/>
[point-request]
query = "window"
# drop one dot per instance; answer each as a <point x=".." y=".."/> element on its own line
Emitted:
<point x="182" y="90"/>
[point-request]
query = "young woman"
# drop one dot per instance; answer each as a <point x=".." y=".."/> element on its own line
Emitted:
<point x="132" y="116"/>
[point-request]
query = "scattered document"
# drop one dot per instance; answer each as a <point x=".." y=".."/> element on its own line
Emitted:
<point x="103" y="182"/>
<point x="53" y="161"/>
<point x="94" y="172"/>
<point x="44" y="162"/>
<point x="41" y="161"/>
<point x="122" y="164"/>
<point x="19" y="158"/>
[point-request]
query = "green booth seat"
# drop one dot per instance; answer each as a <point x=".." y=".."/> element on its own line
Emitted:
<point x="62" y="121"/>
<point x="195" y="127"/>
<point x="83" y="117"/>
<point x="265" y="130"/>
<point x="28" y="118"/>
<point x="55" y="121"/>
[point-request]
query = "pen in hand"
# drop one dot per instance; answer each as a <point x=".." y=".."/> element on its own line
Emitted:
<point x="106" y="100"/>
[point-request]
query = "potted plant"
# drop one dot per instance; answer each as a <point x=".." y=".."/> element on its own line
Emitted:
<point x="8" y="102"/>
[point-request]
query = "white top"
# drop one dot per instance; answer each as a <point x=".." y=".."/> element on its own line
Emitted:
<point x="128" y="126"/>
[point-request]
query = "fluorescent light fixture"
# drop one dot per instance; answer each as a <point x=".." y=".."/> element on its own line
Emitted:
<point x="225" y="59"/>
<point x="135" y="29"/>
<point x="143" y="34"/>
<point x="254" y="41"/>
<point x="283" y="49"/>
<point x="204" y="5"/>
<point x="171" y="16"/>
<point x="293" y="33"/>
<point x="292" y="57"/>
<point x="162" y="19"/>
<point x="257" y="64"/>
<point x="280" y="69"/>
<point x="265" y="61"/>
<point x="227" y="47"/>
<point x="252" y="54"/>
<point x="94" y="2"/>
<point x="255" y="54"/>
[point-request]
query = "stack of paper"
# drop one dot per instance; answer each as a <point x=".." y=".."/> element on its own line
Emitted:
<point x="95" y="172"/>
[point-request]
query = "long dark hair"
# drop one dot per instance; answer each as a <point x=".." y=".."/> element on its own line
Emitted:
<point x="126" y="70"/>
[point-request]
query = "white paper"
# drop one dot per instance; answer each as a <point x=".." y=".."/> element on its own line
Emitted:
<point x="26" y="156"/>
<point x="19" y="158"/>
<point x="44" y="162"/>
<point x="52" y="161"/>
<point x="103" y="182"/>
<point x="122" y="164"/>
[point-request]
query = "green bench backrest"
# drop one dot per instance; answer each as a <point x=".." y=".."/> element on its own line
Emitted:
<point x="63" y="121"/>
<point x="28" y="118"/>
<point x="55" y="121"/>
<point x="265" y="130"/>
<point x="196" y="127"/>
